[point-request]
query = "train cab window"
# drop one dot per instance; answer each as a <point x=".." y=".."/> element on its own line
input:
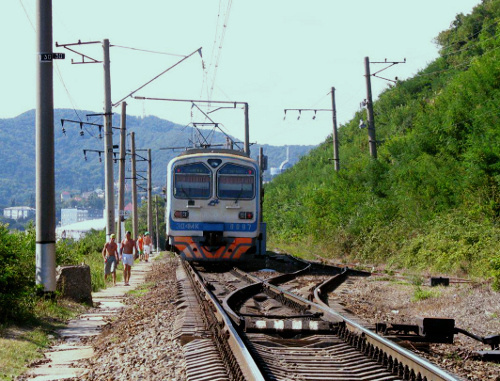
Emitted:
<point x="236" y="182"/>
<point x="192" y="181"/>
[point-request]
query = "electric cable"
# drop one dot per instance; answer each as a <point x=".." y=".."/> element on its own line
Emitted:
<point x="219" y="53"/>
<point x="212" y="53"/>
<point x="472" y="36"/>
<point x="455" y="67"/>
<point x="27" y="15"/>
<point x="210" y="73"/>
<point x="70" y="98"/>
<point x="59" y="75"/>
<point x="148" y="51"/>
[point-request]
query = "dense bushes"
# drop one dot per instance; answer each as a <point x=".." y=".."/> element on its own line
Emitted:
<point x="17" y="273"/>
<point x="18" y="291"/>
<point x="431" y="200"/>
<point x="87" y="250"/>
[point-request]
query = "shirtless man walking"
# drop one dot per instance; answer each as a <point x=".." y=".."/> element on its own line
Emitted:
<point x="147" y="245"/>
<point x="140" y="247"/>
<point x="127" y="251"/>
<point x="110" y="255"/>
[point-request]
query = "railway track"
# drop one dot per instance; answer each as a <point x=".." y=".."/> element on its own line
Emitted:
<point x="272" y="320"/>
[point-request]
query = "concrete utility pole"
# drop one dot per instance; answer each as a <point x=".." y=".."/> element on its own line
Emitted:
<point x="121" y="172"/>
<point x="45" y="179"/>
<point x="150" y="199"/>
<point x="261" y="168"/>
<point x="157" y="226"/>
<point x="247" y="130"/>
<point x="336" y="160"/>
<point x="135" y="217"/>
<point x="369" y="107"/>
<point x="108" y="145"/>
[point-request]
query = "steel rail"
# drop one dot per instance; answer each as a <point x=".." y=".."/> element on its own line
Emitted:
<point x="327" y="286"/>
<point x="366" y="337"/>
<point x="247" y="364"/>
<point x="414" y="362"/>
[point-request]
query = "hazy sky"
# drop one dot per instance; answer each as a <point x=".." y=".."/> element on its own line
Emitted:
<point x="275" y="54"/>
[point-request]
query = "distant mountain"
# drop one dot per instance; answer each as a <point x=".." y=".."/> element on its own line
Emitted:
<point x="73" y="173"/>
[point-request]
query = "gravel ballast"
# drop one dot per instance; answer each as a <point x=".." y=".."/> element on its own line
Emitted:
<point x="474" y="306"/>
<point x="138" y="343"/>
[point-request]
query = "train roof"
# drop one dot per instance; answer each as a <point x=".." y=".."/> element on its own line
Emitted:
<point x="226" y="151"/>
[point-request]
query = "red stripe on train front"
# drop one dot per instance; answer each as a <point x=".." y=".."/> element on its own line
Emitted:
<point x="192" y="250"/>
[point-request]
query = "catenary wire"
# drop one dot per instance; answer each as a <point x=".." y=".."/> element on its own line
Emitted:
<point x="148" y="51"/>
<point x="27" y="15"/>
<point x="59" y="74"/>
<point x="219" y="53"/>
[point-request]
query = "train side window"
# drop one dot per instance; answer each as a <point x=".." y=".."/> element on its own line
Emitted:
<point x="236" y="182"/>
<point x="192" y="181"/>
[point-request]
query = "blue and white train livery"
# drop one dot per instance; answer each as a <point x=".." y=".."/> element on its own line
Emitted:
<point x="213" y="205"/>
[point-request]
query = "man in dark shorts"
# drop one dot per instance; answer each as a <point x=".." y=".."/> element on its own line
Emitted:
<point x="127" y="256"/>
<point x="110" y="255"/>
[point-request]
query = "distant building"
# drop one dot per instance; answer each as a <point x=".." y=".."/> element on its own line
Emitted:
<point x="275" y="171"/>
<point x="71" y="216"/>
<point x="283" y="166"/>
<point x="95" y="214"/>
<point x="99" y="192"/>
<point x="79" y="229"/>
<point x="286" y="164"/>
<point x="18" y="212"/>
<point x="86" y="195"/>
<point x="65" y="196"/>
<point x="129" y="208"/>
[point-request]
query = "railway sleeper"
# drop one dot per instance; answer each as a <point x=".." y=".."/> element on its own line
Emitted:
<point x="379" y="356"/>
<point x="314" y="358"/>
<point x="217" y="342"/>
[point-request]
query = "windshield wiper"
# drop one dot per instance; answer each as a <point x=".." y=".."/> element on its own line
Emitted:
<point x="239" y="195"/>
<point x="186" y="193"/>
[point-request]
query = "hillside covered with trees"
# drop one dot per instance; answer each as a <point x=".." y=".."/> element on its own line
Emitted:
<point x="75" y="174"/>
<point x="431" y="200"/>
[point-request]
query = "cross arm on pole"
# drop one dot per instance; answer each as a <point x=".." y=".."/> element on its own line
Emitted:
<point x="83" y="56"/>
<point x="391" y="64"/>
<point x="305" y="109"/>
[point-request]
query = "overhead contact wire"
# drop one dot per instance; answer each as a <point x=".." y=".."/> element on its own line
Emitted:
<point x="148" y="51"/>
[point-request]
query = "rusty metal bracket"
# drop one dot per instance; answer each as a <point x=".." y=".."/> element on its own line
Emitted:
<point x="428" y="330"/>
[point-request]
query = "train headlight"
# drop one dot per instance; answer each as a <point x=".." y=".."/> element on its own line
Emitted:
<point x="181" y="214"/>
<point x="245" y="215"/>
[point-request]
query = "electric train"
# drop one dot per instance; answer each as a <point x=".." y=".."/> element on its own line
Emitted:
<point x="213" y="210"/>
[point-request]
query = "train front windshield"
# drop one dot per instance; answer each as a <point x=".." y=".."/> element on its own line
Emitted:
<point x="236" y="182"/>
<point x="192" y="181"/>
